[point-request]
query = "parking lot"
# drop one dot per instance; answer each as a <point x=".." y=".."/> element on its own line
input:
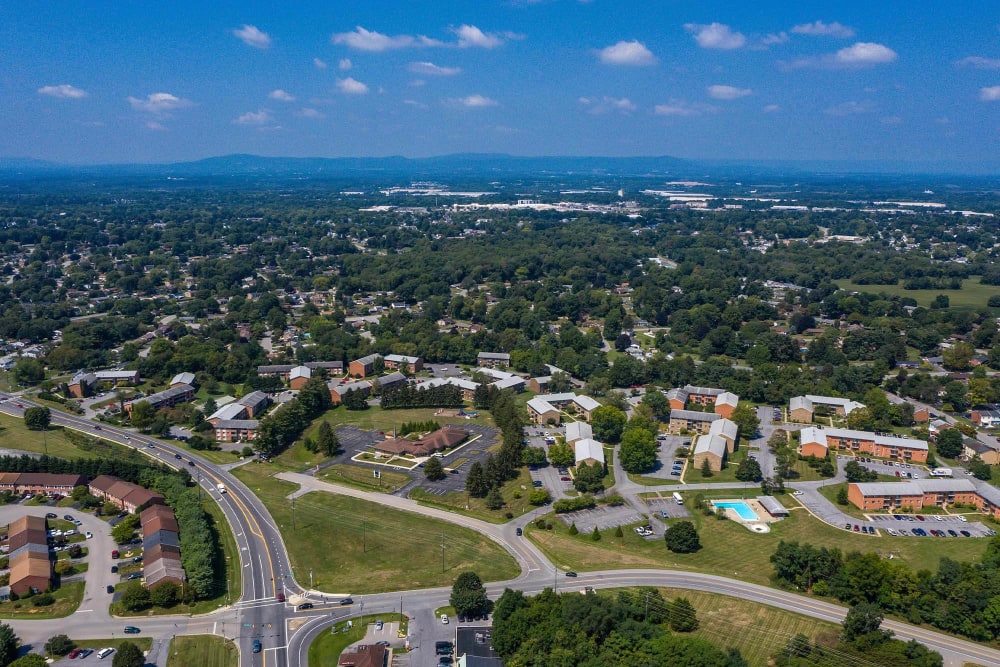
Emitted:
<point x="667" y="456"/>
<point x="658" y="506"/>
<point x="892" y="469"/>
<point x="604" y="517"/>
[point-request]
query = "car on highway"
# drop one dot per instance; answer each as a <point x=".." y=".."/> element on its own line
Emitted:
<point x="256" y="646"/>
<point x="519" y="532"/>
<point x="281" y="597"/>
<point x="571" y="573"/>
<point x="178" y="456"/>
<point x="97" y="428"/>
<point x="304" y="606"/>
<point x="346" y="601"/>
<point x="132" y="630"/>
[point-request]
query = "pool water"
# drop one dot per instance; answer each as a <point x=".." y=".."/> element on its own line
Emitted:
<point x="741" y="508"/>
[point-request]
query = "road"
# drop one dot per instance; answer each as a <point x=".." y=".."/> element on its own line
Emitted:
<point x="287" y="633"/>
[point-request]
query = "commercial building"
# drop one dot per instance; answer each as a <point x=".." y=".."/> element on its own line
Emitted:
<point x="816" y="441"/>
<point x="444" y="438"/>
<point x="365" y="655"/>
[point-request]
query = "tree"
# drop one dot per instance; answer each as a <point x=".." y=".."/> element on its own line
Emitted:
<point x="596" y="535"/>
<point x="28" y="371"/>
<point x="135" y="597"/>
<point x="607" y="422"/>
<point x="476" y="483"/>
<point x="539" y="497"/>
<point x="682" y="538"/>
<point x="8" y="644"/>
<point x="798" y="647"/>
<point x="37" y="419"/>
<point x="958" y="357"/>
<point x="842" y="496"/>
<point x="979" y="468"/>
<point x="861" y="620"/>
<point x="949" y="443"/>
<point x="638" y="450"/>
<point x="589" y="478"/>
<point x="468" y="595"/>
<point x="355" y="399"/>
<point x="128" y="655"/>
<point x="533" y="456"/>
<point x="494" y="499"/>
<point x="142" y="415"/>
<point x="745" y="417"/>
<point x="165" y="594"/>
<point x="561" y="454"/>
<point x="706" y="468"/>
<point x="433" y="470"/>
<point x="326" y="439"/>
<point x="124" y="530"/>
<point x="748" y="470"/>
<point x="682" y="616"/>
<point x="30" y="660"/>
<point x="59" y="645"/>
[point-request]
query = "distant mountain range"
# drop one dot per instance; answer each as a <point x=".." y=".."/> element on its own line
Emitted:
<point x="482" y="165"/>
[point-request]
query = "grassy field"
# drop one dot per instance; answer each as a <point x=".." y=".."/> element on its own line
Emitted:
<point x="15" y="435"/>
<point x="972" y="295"/>
<point x="202" y="650"/>
<point x="692" y="473"/>
<point x="144" y="643"/>
<point x="652" y="481"/>
<point x="362" y="477"/>
<point x="830" y="493"/>
<point x="729" y="549"/>
<point x="758" y="631"/>
<point x="67" y="597"/>
<point x="476" y="507"/>
<point x="356" y="546"/>
<point x="327" y="647"/>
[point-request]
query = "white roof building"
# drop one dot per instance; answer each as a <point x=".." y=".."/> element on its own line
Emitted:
<point x="589" y="449"/>
<point x="578" y="431"/>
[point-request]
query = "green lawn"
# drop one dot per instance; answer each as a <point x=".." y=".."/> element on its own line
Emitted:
<point x="363" y="477"/>
<point x="758" y="631"/>
<point x="15" y="435"/>
<point x="729" y="549"/>
<point x="354" y="546"/>
<point x="144" y="643"/>
<point x="476" y="507"/>
<point x="830" y="493"/>
<point x="652" y="481"/>
<point x="972" y="295"/>
<point x="327" y="647"/>
<point x="692" y="473"/>
<point x="67" y="597"/>
<point x="202" y="650"/>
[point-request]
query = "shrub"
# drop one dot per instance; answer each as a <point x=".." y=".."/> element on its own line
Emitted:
<point x="565" y="505"/>
<point x="43" y="600"/>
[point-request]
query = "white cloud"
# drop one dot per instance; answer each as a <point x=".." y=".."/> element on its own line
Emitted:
<point x="64" y="91"/>
<point x="351" y="86"/>
<point x="779" y="38"/>
<point x="771" y="108"/>
<point x="474" y="102"/>
<point x="153" y="125"/>
<point x="470" y="35"/>
<point x="991" y="94"/>
<point x="259" y="117"/>
<point x="681" y="108"/>
<point x="715" y="36"/>
<point x="308" y="112"/>
<point x="320" y="64"/>
<point x="414" y="103"/>
<point x="632" y="53"/>
<point x="345" y="64"/>
<point x="372" y="41"/>
<point x="979" y="62"/>
<point x="718" y="92"/>
<point x="820" y="29"/>
<point x="158" y="103"/>
<point x="430" y="69"/>
<point x="607" y="105"/>
<point x="281" y="96"/>
<point x="850" y="108"/>
<point x="253" y="36"/>
<point x="865" y="53"/>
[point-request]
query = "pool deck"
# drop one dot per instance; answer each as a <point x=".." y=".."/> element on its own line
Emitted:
<point x="759" y="525"/>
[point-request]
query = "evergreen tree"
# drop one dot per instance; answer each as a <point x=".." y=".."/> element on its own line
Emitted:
<point x="494" y="499"/>
<point x="433" y="470"/>
<point x="326" y="439"/>
<point x="476" y="483"/>
<point x="682" y="616"/>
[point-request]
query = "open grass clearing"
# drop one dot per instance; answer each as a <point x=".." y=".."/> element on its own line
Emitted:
<point x="67" y="599"/>
<point x="202" y="650"/>
<point x="459" y="501"/>
<point x="830" y="493"/>
<point x="730" y="550"/>
<point x="144" y="643"/>
<point x="758" y="631"/>
<point x="15" y="435"/>
<point x="326" y="648"/>
<point x="972" y="295"/>
<point x="693" y="474"/>
<point x="355" y="546"/>
<point x="363" y="477"/>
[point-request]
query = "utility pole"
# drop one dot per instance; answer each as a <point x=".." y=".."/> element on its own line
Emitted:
<point x="310" y="578"/>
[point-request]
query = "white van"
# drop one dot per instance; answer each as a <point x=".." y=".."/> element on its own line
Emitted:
<point x="678" y="499"/>
<point x="221" y="487"/>
<point x="105" y="652"/>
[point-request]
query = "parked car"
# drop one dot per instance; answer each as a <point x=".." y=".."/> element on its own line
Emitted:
<point x="68" y="517"/>
<point x="444" y="619"/>
<point x="85" y="652"/>
<point x="378" y="624"/>
<point x="134" y="576"/>
<point x="952" y="533"/>
<point x="114" y="569"/>
<point x="51" y="515"/>
<point x="965" y="533"/>
<point x="111" y="589"/>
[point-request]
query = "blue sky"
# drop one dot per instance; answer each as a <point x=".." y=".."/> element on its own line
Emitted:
<point x="97" y="82"/>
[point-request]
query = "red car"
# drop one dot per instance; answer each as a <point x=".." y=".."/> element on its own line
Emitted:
<point x="564" y="479"/>
<point x="72" y="654"/>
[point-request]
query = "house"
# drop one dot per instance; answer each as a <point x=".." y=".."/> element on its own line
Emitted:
<point x="363" y="367"/>
<point x="493" y="359"/>
<point x="236" y="430"/>
<point x="365" y="655"/>
<point x="298" y="377"/>
<point x="711" y="448"/>
<point x="727" y="430"/>
<point x="125" y="495"/>
<point x="338" y="389"/>
<point x="588" y="451"/>
<point x="813" y="439"/>
<point x="578" y="431"/>
<point x="539" y="384"/>
<point x="725" y="403"/>
<point x="691" y="420"/>
<point x="40" y="482"/>
<point x="986" y="417"/>
<point x="167" y="398"/>
<point x="921" y="415"/>
<point x="30" y="567"/>
<point x="988" y="454"/>
<point x="181" y="379"/>
<point x="396" y="362"/>
<point x="937" y="426"/>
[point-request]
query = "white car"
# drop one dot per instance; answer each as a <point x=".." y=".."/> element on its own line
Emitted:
<point x="90" y="535"/>
<point x="444" y="619"/>
<point x="962" y="519"/>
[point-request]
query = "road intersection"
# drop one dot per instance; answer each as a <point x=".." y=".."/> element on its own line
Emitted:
<point x="287" y="633"/>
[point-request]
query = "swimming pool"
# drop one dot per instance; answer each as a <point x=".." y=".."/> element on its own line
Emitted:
<point x="740" y="507"/>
